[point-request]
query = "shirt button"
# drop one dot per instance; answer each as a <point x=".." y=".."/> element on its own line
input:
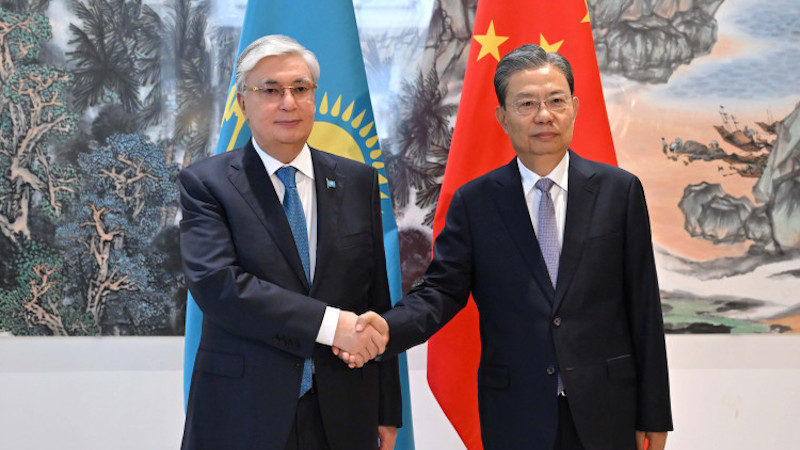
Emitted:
<point x="557" y="321"/>
<point x="551" y="370"/>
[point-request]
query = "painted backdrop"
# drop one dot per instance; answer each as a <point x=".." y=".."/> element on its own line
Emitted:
<point x="104" y="101"/>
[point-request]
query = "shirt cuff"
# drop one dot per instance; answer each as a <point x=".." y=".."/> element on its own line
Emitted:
<point x="328" y="328"/>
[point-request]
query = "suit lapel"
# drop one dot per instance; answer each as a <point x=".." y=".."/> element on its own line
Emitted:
<point x="580" y="206"/>
<point x="329" y="199"/>
<point x="250" y="178"/>
<point x="514" y="213"/>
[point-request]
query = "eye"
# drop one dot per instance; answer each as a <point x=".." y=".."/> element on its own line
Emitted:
<point x="301" y="89"/>
<point x="525" y="105"/>
<point x="557" y="101"/>
<point x="271" y="91"/>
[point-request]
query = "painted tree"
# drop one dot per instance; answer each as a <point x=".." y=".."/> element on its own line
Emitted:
<point x="104" y="52"/>
<point x="37" y="305"/>
<point x="33" y="114"/>
<point x="422" y="144"/>
<point x="156" y="65"/>
<point x="117" y="214"/>
<point x="178" y="63"/>
<point x="184" y="84"/>
<point x="126" y="52"/>
<point x="104" y="195"/>
<point x="25" y="6"/>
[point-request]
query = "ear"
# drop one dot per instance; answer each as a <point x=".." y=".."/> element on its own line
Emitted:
<point x="500" y="114"/>
<point x="240" y="101"/>
<point x="575" y="103"/>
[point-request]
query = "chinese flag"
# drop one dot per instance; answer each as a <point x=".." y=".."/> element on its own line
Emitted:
<point x="479" y="145"/>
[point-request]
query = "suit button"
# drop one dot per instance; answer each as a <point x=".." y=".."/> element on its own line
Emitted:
<point x="557" y="321"/>
<point x="551" y="370"/>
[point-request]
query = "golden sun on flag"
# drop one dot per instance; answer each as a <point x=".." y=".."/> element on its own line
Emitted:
<point x="341" y="132"/>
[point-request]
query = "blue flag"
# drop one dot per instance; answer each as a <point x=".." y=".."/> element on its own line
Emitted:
<point x="344" y="125"/>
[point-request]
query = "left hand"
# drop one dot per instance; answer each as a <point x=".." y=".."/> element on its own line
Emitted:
<point x="387" y="436"/>
<point x="651" y="440"/>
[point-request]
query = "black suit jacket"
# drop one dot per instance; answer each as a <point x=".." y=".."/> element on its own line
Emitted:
<point x="601" y="328"/>
<point x="261" y="317"/>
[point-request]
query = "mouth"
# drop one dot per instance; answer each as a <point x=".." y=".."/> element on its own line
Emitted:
<point x="544" y="136"/>
<point x="287" y="123"/>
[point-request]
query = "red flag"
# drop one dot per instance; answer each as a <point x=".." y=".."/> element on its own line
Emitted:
<point x="480" y="145"/>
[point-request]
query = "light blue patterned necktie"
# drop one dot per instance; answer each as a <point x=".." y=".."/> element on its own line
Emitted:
<point x="548" y="241"/>
<point x="297" y="221"/>
<point x="548" y="230"/>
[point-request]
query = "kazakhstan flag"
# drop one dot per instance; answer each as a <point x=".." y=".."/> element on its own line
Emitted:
<point x="344" y="125"/>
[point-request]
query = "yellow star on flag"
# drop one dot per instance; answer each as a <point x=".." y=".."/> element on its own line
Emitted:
<point x="548" y="47"/>
<point x="586" y="18"/>
<point x="490" y="42"/>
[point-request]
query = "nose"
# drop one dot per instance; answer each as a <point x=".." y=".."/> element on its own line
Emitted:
<point x="542" y="115"/>
<point x="288" y="101"/>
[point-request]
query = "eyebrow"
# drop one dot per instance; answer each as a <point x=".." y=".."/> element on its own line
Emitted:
<point x="531" y="95"/>
<point x="297" y="80"/>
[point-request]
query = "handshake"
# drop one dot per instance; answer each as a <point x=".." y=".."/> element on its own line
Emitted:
<point x="359" y="339"/>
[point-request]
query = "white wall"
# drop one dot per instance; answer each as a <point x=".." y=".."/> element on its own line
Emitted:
<point x="732" y="392"/>
<point x="90" y="393"/>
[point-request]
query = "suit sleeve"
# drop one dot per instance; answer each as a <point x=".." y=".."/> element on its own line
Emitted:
<point x="645" y="316"/>
<point x="228" y="294"/>
<point x="390" y="399"/>
<point x="445" y="288"/>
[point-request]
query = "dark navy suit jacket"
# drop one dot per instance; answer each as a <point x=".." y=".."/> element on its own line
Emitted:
<point x="261" y="317"/>
<point x="601" y="328"/>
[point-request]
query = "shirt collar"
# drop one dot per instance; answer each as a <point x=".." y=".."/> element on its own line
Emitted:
<point x="559" y="174"/>
<point x="302" y="162"/>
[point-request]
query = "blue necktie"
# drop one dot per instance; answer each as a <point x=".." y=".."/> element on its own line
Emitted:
<point x="548" y="240"/>
<point x="297" y="221"/>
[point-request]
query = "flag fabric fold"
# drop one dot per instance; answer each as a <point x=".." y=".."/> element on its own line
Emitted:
<point x="344" y="125"/>
<point x="480" y="145"/>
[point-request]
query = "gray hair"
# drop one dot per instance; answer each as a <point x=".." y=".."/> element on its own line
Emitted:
<point x="528" y="56"/>
<point x="272" y="45"/>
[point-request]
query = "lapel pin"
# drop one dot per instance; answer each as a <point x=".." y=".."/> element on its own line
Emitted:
<point x="330" y="184"/>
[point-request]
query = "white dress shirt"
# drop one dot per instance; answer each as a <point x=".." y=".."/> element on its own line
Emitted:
<point x="558" y="193"/>
<point x="304" y="179"/>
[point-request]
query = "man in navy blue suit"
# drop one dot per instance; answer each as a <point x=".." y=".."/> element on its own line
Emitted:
<point x="557" y="253"/>
<point x="280" y="242"/>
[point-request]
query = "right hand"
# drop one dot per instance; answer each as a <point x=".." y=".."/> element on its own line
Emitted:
<point x="356" y="344"/>
<point x="370" y="325"/>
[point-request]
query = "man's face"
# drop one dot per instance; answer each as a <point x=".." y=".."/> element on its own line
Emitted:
<point x="540" y="132"/>
<point x="280" y="124"/>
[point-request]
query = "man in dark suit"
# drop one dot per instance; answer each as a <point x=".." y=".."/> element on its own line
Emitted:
<point x="280" y="242"/>
<point x="563" y="275"/>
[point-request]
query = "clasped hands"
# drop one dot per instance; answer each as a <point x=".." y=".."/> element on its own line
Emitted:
<point x="359" y="339"/>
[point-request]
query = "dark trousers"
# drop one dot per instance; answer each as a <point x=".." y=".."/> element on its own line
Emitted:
<point x="307" y="431"/>
<point x="566" y="435"/>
